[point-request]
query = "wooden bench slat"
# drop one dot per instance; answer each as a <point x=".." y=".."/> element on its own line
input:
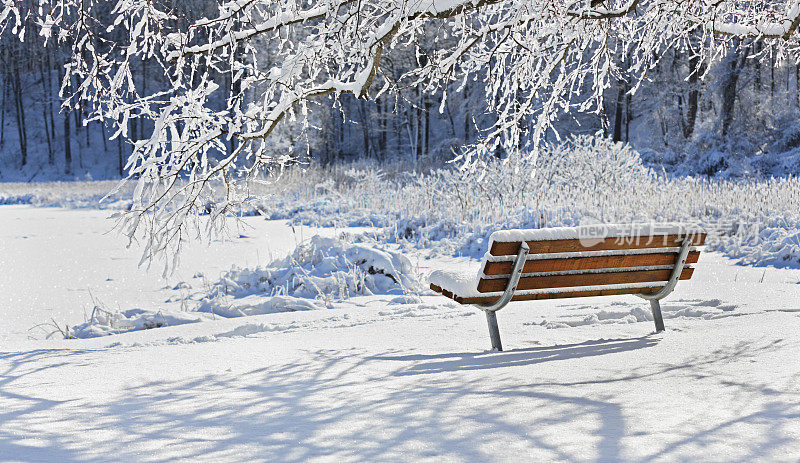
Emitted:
<point x="542" y="296"/>
<point x="510" y="248"/>
<point x="589" y="263"/>
<point x="583" y="279"/>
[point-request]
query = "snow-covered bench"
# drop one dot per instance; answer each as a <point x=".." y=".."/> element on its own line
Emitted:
<point x="598" y="260"/>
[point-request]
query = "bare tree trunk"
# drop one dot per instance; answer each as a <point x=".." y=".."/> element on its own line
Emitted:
<point x="628" y="116"/>
<point x="76" y="112"/>
<point x="797" y="84"/>
<point x="617" y="136"/>
<point x="450" y="118"/>
<point x="622" y="85"/>
<point x="731" y="78"/>
<point x="772" y="75"/>
<point x="427" y="119"/>
<point x="378" y="128"/>
<point x="696" y="68"/>
<point x="3" y="117"/>
<point x="45" y="104"/>
<point x="67" y="141"/>
<point x="133" y="128"/>
<point x="398" y="129"/>
<point x="365" y="127"/>
<point x="340" y="132"/>
<point x="51" y="95"/>
<point x="23" y="136"/>
<point x="85" y="115"/>
<point x="418" y="123"/>
<point x="604" y="119"/>
<point x="383" y="107"/>
<point x="103" y="135"/>
<point x="409" y="122"/>
<point x="67" y="145"/>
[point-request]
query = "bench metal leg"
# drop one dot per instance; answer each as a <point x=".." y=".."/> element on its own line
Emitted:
<point x="508" y="294"/>
<point x="656" y="309"/>
<point x="494" y="330"/>
<point x="680" y="263"/>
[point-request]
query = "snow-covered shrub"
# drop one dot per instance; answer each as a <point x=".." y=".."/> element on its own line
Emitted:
<point x="314" y="275"/>
<point x="596" y="171"/>
<point x="711" y="154"/>
<point x="104" y="322"/>
<point x="593" y="162"/>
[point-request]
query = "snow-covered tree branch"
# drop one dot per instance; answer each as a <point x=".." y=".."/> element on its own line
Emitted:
<point x="537" y="60"/>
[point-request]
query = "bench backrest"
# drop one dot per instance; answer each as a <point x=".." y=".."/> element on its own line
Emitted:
<point x="580" y="262"/>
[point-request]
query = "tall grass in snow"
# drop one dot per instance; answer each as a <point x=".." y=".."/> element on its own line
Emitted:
<point x="585" y="180"/>
<point x="86" y="193"/>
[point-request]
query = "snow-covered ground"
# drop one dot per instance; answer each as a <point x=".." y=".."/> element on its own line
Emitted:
<point x="60" y="263"/>
<point x="382" y="377"/>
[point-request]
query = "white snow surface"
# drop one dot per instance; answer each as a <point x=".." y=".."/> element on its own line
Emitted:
<point x="316" y="274"/>
<point x="384" y="377"/>
<point x="58" y="264"/>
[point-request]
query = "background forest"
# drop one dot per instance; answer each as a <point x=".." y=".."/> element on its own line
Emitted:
<point x="736" y="117"/>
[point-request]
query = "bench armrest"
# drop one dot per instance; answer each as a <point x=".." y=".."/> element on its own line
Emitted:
<point x="676" y="274"/>
<point x="513" y="280"/>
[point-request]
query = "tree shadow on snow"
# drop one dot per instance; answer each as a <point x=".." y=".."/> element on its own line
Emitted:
<point x="347" y="405"/>
<point x="19" y="405"/>
<point x="438" y="363"/>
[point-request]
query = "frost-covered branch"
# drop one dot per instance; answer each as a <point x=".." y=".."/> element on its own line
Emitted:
<point x="235" y="70"/>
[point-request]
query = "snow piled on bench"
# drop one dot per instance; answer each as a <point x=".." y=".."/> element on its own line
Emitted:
<point x="462" y="282"/>
<point x="595" y="232"/>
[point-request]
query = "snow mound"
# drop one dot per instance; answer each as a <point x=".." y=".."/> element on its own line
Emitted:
<point x="316" y="274"/>
<point x="104" y="322"/>
<point x="255" y="305"/>
<point x="769" y="244"/>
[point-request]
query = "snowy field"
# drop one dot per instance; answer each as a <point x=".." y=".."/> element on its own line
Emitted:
<point x="380" y="377"/>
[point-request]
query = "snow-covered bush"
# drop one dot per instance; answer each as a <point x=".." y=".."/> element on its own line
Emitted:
<point x="103" y="322"/>
<point x="594" y="163"/>
<point x="316" y="274"/>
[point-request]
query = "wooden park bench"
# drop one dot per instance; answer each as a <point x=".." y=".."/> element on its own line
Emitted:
<point x="603" y="260"/>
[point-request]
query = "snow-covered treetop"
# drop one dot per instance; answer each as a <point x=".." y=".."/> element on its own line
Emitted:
<point x="536" y="58"/>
